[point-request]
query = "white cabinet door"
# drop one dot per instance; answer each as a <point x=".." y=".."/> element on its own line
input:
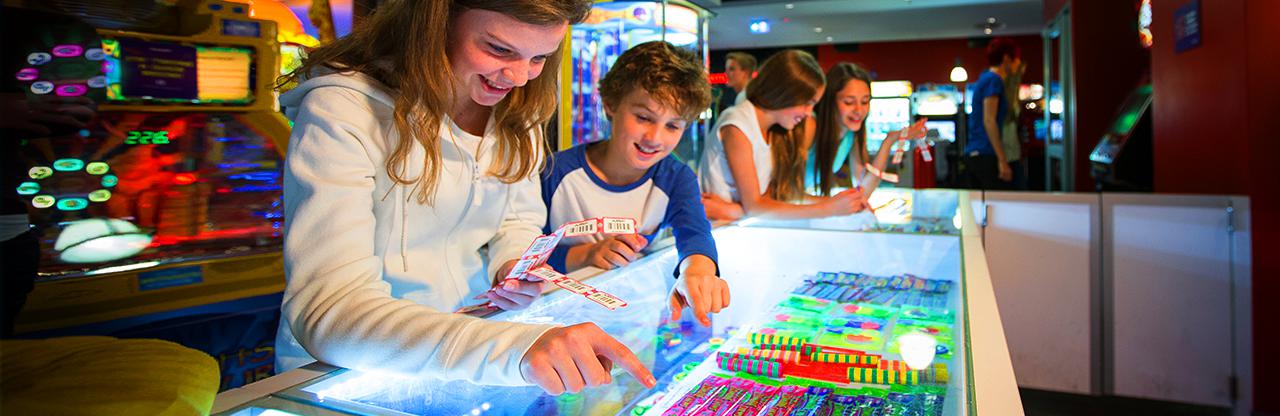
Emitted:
<point x="1170" y="277"/>
<point x="1042" y="252"/>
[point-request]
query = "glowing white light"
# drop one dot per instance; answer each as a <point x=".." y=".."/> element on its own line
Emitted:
<point x="917" y="349"/>
<point x="1055" y="106"/>
<point x="97" y="240"/>
<point x="125" y="268"/>
<point x="959" y="74"/>
<point x="486" y="406"/>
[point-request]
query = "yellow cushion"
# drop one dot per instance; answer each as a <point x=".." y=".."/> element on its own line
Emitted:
<point x="105" y="376"/>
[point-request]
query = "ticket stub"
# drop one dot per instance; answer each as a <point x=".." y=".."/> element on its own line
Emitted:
<point x="574" y="286"/>
<point x="607" y="300"/>
<point x="542" y="245"/>
<point x="619" y="226"/>
<point x="897" y="156"/>
<point x="546" y="274"/>
<point x="580" y="228"/>
<point x="890" y="177"/>
<point x="522" y="267"/>
<point x="924" y="150"/>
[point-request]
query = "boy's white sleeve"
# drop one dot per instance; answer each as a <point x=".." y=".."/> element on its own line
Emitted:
<point x="521" y="223"/>
<point x="336" y="302"/>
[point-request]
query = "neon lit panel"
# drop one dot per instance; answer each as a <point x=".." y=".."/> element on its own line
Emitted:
<point x="138" y="70"/>
<point x="212" y="191"/>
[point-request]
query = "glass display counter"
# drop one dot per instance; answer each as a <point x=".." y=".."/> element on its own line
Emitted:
<point x="821" y="318"/>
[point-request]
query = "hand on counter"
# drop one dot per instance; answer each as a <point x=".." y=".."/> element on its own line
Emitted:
<point x="719" y="209"/>
<point x="568" y="359"/>
<point x="699" y="287"/>
<point x="612" y="252"/>
<point x="846" y="202"/>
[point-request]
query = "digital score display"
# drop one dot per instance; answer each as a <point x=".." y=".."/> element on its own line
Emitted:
<point x="147" y="137"/>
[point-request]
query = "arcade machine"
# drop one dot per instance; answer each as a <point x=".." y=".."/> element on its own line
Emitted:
<point x="941" y="104"/>
<point x="290" y="32"/>
<point x="611" y="29"/>
<point x="890" y="110"/>
<point x="162" y="218"/>
<point x="1122" y="159"/>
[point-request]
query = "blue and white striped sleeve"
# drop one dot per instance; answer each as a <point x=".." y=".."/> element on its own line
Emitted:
<point x="686" y="216"/>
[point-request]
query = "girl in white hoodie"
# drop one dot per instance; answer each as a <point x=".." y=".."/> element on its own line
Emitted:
<point x="410" y="186"/>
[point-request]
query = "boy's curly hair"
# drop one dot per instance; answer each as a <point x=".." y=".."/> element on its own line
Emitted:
<point x="674" y="77"/>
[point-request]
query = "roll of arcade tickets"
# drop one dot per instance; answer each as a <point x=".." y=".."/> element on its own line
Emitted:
<point x="523" y="266"/>
<point x="924" y="150"/>
<point x="607" y="300"/>
<point x="547" y="274"/>
<point x="618" y="225"/>
<point x="543" y="245"/>
<point x="581" y="228"/>
<point x="574" y="286"/>
<point x="888" y="177"/>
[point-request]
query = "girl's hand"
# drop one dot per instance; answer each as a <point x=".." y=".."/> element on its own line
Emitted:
<point x="719" y="209"/>
<point x="846" y="202"/>
<point x="571" y="358"/>
<point x="513" y="294"/>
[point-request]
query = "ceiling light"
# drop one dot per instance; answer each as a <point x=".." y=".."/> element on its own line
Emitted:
<point x="759" y="26"/>
<point x="958" y="74"/>
<point x="829" y="39"/>
<point x="817" y="29"/>
<point x="790" y="6"/>
<point x="991" y="20"/>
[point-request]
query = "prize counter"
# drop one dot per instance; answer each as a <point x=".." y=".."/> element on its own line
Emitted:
<point x="886" y="314"/>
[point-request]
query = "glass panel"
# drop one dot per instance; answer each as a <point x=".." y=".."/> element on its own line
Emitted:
<point x="896" y="210"/>
<point x="908" y="284"/>
<point x="153" y="187"/>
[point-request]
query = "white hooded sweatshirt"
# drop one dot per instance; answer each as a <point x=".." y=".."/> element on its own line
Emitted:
<point x="372" y="275"/>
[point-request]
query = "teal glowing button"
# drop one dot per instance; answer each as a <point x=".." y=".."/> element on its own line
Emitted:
<point x="40" y="172"/>
<point x="101" y="195"/>
<point x="68" y="165"/>
<point x="109" y="181"/>
<point x="28" y="188"/>
<point x="43" y="201"/>
<point x="97" y="168"/>
<point x="72" y="204"/>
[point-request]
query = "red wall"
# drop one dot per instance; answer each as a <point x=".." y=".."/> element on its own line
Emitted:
<point x="1263" y="86"/>
<point x="930" y="61"/>
<point x="1199" y="116"/>
<point x="1214" y="133"/>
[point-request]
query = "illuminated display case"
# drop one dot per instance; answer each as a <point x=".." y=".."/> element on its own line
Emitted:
<point x="929" y="283"/>
<point x="611" y="29"/>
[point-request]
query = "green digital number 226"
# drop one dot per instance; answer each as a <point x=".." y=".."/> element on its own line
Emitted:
<point x="147" y="137"/>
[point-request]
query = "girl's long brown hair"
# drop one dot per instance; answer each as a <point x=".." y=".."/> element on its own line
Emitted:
<point x="787" y="79"/>
<point x="404" y="46"/>
<point x="827" y="135"/>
